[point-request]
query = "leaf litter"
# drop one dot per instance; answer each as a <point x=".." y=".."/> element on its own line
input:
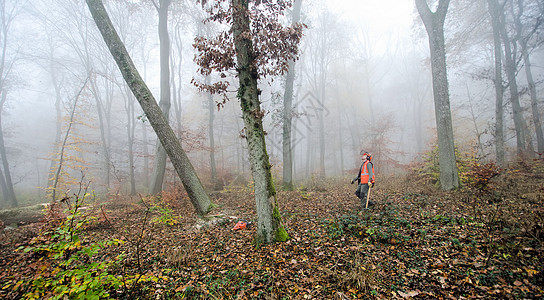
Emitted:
<point x="416" y="242"/>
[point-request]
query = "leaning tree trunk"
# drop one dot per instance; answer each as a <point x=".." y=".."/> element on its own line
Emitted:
<point x="159" y="165"/>
<point x="158" y="121"/>
<point x="434" y="24"/>
<point x="493" y="7"/>
<point x="288" y="113"/>
<point x="269" y="226"/>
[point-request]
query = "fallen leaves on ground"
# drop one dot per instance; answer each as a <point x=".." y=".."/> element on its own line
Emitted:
<point x="411" y="244"/>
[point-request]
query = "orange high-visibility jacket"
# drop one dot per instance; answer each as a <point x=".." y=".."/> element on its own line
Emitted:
<point x="365" y="174"/>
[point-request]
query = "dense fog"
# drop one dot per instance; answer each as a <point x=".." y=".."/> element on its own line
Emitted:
<point x="363" y="81"/>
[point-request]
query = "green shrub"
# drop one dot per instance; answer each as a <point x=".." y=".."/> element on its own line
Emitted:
<point x="69" y="268"/>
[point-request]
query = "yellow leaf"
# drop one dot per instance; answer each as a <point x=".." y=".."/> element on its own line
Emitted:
<point x="531" y="272"/>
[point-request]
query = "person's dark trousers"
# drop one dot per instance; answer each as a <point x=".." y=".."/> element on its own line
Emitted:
<point x="363" y="194"/>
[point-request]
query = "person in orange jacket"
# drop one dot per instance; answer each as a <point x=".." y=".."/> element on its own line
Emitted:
<point x="365" y="178"/>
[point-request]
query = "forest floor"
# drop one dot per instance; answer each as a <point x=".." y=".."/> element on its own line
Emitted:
<point x="416" y="242"/>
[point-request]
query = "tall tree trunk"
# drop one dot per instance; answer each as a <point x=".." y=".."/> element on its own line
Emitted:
<point x="494" y="11"/>
<point x="12" y="199"/>
<point x="58" y="110"/>
<point x="145" y="144"/>
<point x="211" y="133"/>
<point x="131" y="126"/>
<point x="4" y="188"/>
<point x="176" y="55"/>
<point x="102" y="110"/>
<point x="159" y="165"/>
<point x="510" y="69"/>
<point x="309" y="152"/>
<point x="166" y="135"/>
<point x="340" y="142"/>
<point x="534" y="102"/>
<point x="321" y="120"/>
<point x="434" y="24"/>
<point x="529" y="75"/>
<point x="288" y="113"/>
<point x="6" y="18"/>
<point x="269" y="226"/>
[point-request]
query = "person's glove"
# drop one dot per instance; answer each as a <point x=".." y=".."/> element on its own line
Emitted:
<point x="370" y="184"/>
<point x="352" y="181"/>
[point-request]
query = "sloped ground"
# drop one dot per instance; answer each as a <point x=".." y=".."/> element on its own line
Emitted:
<point x="416" y="242"/>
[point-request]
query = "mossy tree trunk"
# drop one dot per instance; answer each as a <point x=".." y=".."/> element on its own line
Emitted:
<point x="158" y="121"/>
<point x="269" y="225"/>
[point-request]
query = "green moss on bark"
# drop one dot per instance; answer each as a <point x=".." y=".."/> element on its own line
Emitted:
<point x="281" y="234"/>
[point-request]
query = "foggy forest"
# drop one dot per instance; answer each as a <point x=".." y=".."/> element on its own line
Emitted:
<point x="221" y="149"/>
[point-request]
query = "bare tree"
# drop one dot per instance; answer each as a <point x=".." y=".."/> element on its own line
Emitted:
<point x="131" y="126"/>
<point x="510" y="68"/>
<point x="523" y="40"/>
<point x="288" y="113"/>
<point x="159" y="165"/>
<point x="64" y="145"/>
<point x="7" y="14"/>
<point x="494" y="11"/>
<point x="434" y="24"/>
<point x="324" y="42"/>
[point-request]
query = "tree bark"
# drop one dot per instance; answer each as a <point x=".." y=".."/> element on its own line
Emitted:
<point x="211" y="117"/>
<point x="58" y="110"/>
<point x="12" y="199"/>
<point x="493" y="7"/>
<point x="5" y="68"/>
<point x="269" y="226"/>
<point x="523" y="41"/>
<point x="103" y="111"/>
<point x="166" y="135"/>
<point x="321" y="120"/>
<point x="510" y="69"/>
<point x="534" y="102"/>
<point x="131" y="127"/>
<point x="434" y="24"/>
<point x="4" y="188"/>
<point x="288" y="113"/>
<point x="159" y="165"/>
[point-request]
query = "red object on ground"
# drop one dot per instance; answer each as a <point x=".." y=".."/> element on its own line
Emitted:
<point x="240" y="225"/>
